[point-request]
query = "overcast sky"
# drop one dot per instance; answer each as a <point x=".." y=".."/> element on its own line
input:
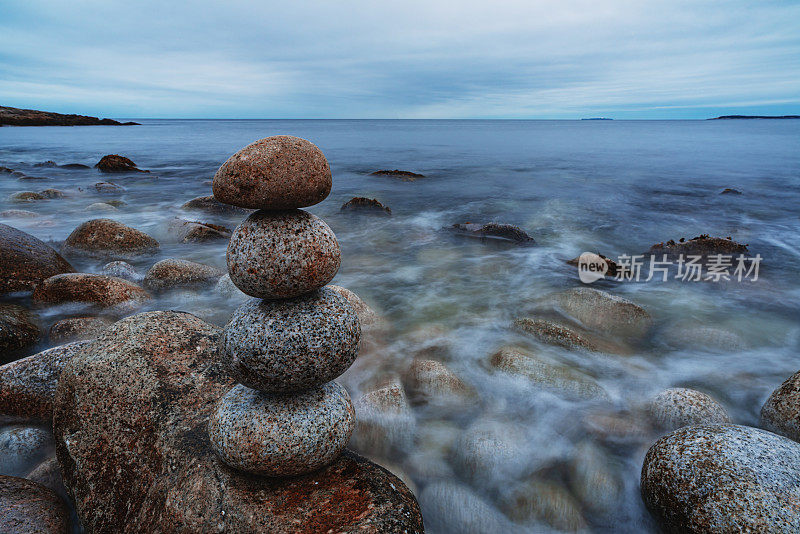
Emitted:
<point x="401" y="59"/>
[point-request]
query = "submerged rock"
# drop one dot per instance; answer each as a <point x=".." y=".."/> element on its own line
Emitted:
<point x="702" y="245"/>
<point x="781" y="411"/>
<point x="493" y="231"/>
<point x="429" y="382"/>
<point x="729" y="191"/>
<point x="25" y="261"/>
<point x="385" y="422"/>
<point x="96" y="289"/>
<point x="116" y="163"/>
<point x="197" y="232"/>
<point x="723" y="478"/>
<point x="275" y="173"/>
<point x="175" y="273"/>
<point x="489" y="453"/>
<point x="365" y="205"/>
<point x="28" y="386"/>
<point x="700" y="337"/>
<point x="124" y="270"/>
<point x="22" y="446"/>
<point x="18" y="214"/>
<point x="30" y="508"/>
<point x="544" y="501"/>
<point x="19" y="329"/>
<point x="25" y="196"/>
<point x="53" y="193"/>
<point x="159" y="373"/>
<point x="593" y="479"/>
<point x="106" y="238"/>
<point x="452" y="508"/>
<point x="406" y="176"/>
<point x="100" y="207"/>
<point x="677" y="407"/>
<point x="48" y="163"/>
<point x="613" y="268"/>
<point x="569" y="337"/>
<point x="604" y="312"/>
<point x="212" y="206"/>
<point x="77" y="329"/>
<point x="109" y="188"/>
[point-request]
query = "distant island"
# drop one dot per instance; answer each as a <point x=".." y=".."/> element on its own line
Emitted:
<point x="729" y="117"/>
<point x="31" y="117"/>
<point x="597" y="119"/>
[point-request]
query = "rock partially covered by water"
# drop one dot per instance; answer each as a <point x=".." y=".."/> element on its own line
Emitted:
<point x="119" y="478"/>
<point x="77" y="329"/>
<point x="723" y="478"/>
<point x="19" y="329"/>
<point x="568" y="336"/>
<point x="493" y="231"/>
<point x="612" y="265"/>
<point x="452" y="508"/>
<point x="124" y="270"/>
<point x="385" y="423"/>
<point x="490" y="453"/>
<point x="28" y="386"/>
<point x="291" y="345"/>
<point x="175" y="273"/>
<point x="546" y="502"/>
<point x="275" y="173"/>
<point x="282" y="254"/>
<point x="25" y="261"/>
<point x="95" y="289"/>
<point x="677" y="407"/>
<point x="22" y="446"/>
<point x="604" y="312"/>
<point x="25" y="196"/>
<point x="281" y="435"/>
<point x="702" y="245"/>
<point x="116" y="163"/>
<point x="781" y="411"/>
<point x="106" y="238"/>
<point x="212" y="206"/>
<point x="365" y="205"/>
<point x="429" y="382"/>
<point x="197" y="232"/>
<point x="406" y="176"/>
<point x="30" y="508"/>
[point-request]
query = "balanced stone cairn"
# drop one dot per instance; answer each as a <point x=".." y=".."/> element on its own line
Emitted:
<point x="286" y="416"/>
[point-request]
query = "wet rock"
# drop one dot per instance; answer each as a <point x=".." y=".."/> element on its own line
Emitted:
<point x="48" y="163"/>
<point x="723" y="478"/>
<point x="158" y="373"/>
<point x="281" y="435"/>
<point x="77" y="329"/>
<point x="116" y="203"/>
<point x="30" y="508"/>
<point x="277" y="346"/>
<point x="74" y="166"/>
<point x="18" y="214"/>
<point x="19" y="329"/>
<point x="48" y="474"/>
<point x="593" y="480"/>
<point x="122" y="269"/>
<point x="781" y="412"/>
<point x="174" y="273"/>
<point x="493" y="231"/>
<point x="28" y="386"/>
<point x="677" y="407"/>
<point x="212" y="206"/>
<point x="100" y="207"/>
<point x="604" y="312"/>
<point x="197" y="232"/>
<point x="365" y="205"/>
<point x="490" y="453"/>
<point x="275" y="173"/>
<point x="53" y="193"/>
<point x="366" y="315"/>
<point x="544" y="501"/>
<point x="617" y="428"/>
<point x="228" y="289"/>
<point x="429" y="382"/>
<point x="25" y="196"/>
<point x="109" y="188"/>
<point x="116" y="163"/>
<point x="106" y="238"/>
<point x="613" y="268"/>
<point x="546" y="373"/>
<point x="702" y="245"/>
<point x="96" y="289"/>
<point x="729" y="191"/>
<point x="282" y="254"/>
<point x="384" y="422"/>
<point x="699" y="337"/>
<point x="21" y="447"/>
<point x="452" y="508"/>
<point x="25" y="261"/>
<point x="406" y="176"/>
<point x="569" y="337"/>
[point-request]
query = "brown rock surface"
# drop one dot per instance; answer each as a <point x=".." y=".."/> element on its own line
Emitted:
<point x="27" y="507"/>
<point x="702" y="245"/>
<point x="25" y="261"/>
<point x="212" y="206"/>
<point x="116" y="163"/>
<point x="109" y="239"/>
<point x="406" y="176"/>
<point x="173" y="273"/>
<point x="76" y="329"/>
<point x="365" y="205"/>
<point x="781" y="411"/>
<point x="195" y="231"/>
<point x="101" y="290"/>
<point x="18" y="329"/>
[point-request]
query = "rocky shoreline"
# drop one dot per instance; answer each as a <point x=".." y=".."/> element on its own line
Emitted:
<point x="31" y="117"/>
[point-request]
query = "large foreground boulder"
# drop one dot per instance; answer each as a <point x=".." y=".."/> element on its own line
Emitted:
<point x="130" y="421"/>
<point x="27" y="507"/>
<point x="723" y="478"/>
<point x="25" y="261"/>
<point x="108" y="239"/>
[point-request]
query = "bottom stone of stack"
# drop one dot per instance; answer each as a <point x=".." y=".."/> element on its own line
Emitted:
<point x="281" y="434"/>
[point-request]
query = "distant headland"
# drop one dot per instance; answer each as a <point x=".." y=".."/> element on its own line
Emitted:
<point x="31" y="117"/>
<point x="729" y="117"/>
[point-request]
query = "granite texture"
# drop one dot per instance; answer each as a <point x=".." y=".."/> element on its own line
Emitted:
<point x="677" y="407"/>
<point x="174" y="273"/>
<point x="604" y="312"/>
<point x="96" y="289"/>
<point x="77" y="329"/>
<point x="281" y="435"/>
<point x="108" y="239"/>
<point x="781" y="412"/>
<point x="25" y="261"/>
<point x="282" y="254"/>
<point x="19" y="330"/>
<point x="275" y="173"/>
<point x="30" y="508"/>
<point x="291" y="345"/>
<point x="723" y="478"/>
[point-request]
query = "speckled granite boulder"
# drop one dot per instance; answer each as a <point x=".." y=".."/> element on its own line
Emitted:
<point x="174" y="273"/>
<point x="604" y="312"/>
<point x="281" y="435"/>
<point x="108" y="239"/>
<point x="274" y="173"/>
<point x="25" y="261"/>
<point x="19" y="330"/>
<point x="77" y="329"/>
<point x="282" y="254"/>
<point x="94" y="289"/>
<point x="677" y="407"/>
<point x="723" y="478"/>
<point x="124" y="270"/>
<point x="30" y="508"/>
<point x="781" y="411"/>
<point x="28" y="386"/>
<point x="291" y="345"/>
<point x="159" y="373"/>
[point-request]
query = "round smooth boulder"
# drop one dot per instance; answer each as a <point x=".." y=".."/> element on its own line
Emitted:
<point x="77" y="329"/>
<point x="173" y="273"/>
<point x="781" y="411"/>
<point x="282" y="254"/>
<point x="98" y="289"/>
<point x="275" y="173"/>
<point x="18" y="329"/>
<point x="291" y="345"/>
<point x="25" y="261"/>
<point x="677" y="407"/>
<point x="723" y="478"/>
<point x="108" y="239"/>
<point x="281" y="435"/>
<point x="30" y="508"/>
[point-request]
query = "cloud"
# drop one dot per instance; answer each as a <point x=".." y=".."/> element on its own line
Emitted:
<point x="410" y="59"/>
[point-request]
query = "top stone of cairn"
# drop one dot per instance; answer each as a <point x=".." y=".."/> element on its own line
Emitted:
<point x="274" y="173"/>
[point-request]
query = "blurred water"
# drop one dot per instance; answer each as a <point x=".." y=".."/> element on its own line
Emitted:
<point x="616" y="187"/>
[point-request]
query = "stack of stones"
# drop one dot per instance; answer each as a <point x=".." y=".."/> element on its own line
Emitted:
<point x="286" y="416"/>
